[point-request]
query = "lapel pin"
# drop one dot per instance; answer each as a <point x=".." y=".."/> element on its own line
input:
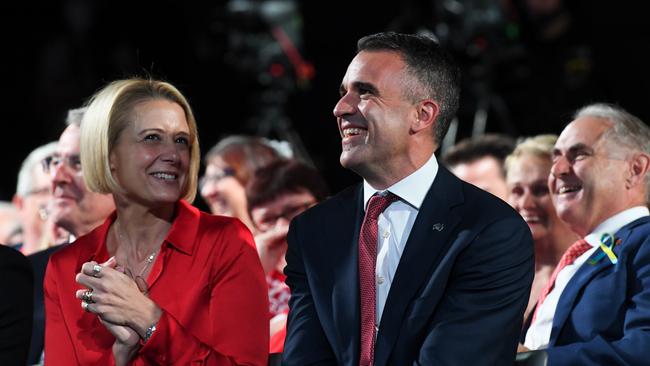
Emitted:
<point x="438" y="226"/>
<point x="607" y="244"/>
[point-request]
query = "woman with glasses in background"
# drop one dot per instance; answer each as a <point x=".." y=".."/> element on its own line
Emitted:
<point x="229" y="167"/>
<point x="276" y="194"/>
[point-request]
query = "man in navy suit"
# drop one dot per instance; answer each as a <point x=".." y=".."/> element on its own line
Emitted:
<point x="597" y="311"/>
<point x="451" y="265"/>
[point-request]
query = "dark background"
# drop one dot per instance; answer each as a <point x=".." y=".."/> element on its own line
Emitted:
<point x="224" y="58"/>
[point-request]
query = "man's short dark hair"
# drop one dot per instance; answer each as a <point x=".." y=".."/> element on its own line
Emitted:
<point x="281" y="177"/>
<point x="434" y="72"/>
<point x="472" y="149"/>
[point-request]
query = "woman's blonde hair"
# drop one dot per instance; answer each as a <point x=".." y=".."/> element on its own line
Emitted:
<point x="540" y="146"/>
<point x="109" y="111"/>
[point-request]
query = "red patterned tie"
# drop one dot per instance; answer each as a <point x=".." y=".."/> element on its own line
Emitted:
<point x="367" y="262"/>
<point x="575" y="250"/>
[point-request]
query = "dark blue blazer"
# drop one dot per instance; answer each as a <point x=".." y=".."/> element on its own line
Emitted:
<point x="457" y="297"/>
<point x="16" y="286"/>
<point x="603" y="316"/>
<point x="39" y="262"/>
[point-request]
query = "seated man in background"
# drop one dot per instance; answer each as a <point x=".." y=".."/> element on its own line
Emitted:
<point x="480" y="160"/>
<point x="10" y="230"/>
<point x="74" y="208"/>
<point x="595" y="309"/>
<point x="33" y="194"/>
<point x="276" y="194"/>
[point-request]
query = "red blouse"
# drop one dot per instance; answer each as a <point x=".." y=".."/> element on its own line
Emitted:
<point x="208" y="281"/>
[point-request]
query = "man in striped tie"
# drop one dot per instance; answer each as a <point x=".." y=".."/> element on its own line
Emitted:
<point x="595" y="310"/>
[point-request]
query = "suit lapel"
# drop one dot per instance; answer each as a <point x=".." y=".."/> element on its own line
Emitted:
<point x="580" y="280"/>
<point x="345" y="293"/>
<point x="425" y="246"/>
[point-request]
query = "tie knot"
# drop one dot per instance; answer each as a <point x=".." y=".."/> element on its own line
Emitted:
<point x="378" y="203"/>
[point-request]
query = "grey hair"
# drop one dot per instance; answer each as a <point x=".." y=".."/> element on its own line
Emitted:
<point x="75" y="116"/>
<point x="627" y="131"/>
<point x="26" y="173"/>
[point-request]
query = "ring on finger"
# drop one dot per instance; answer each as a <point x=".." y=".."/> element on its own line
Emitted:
<point x="87" y="296"/>
<point x="85" y="305"/>
<point x="97" y="270"/>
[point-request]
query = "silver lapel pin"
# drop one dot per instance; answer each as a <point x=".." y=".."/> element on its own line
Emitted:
<point x="438" y="226"/>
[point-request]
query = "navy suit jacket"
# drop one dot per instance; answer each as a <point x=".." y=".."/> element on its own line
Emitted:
<point x="457" y="297"/>
<point x="603" y="316"/>
<point x="39" y="262"/>
<point x="16" y="286"/>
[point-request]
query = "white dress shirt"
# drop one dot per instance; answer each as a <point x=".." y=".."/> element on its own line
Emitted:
<point x="395" y="224"/>
<point x="539" y="333"/>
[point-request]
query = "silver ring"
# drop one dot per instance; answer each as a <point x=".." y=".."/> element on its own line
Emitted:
<point x="97" y="269"/>
<point x="87" y="296"/>
<point x="85" y="305"/>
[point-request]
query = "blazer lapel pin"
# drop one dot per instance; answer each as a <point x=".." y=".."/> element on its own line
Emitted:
<point x="607" y="243"/>
<point x="438" y="226"/>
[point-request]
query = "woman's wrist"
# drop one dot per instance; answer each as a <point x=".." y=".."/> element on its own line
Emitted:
<point x="148" y="320"/>
<point x="123" y="353"/>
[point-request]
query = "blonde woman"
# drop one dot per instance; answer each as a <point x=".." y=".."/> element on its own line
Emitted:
<point x="159" y="282"/>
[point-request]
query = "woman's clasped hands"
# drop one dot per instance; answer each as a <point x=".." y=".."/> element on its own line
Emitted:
<point x="121" y="306"/>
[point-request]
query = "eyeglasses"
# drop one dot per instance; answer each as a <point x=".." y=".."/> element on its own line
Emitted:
<point x="73" y="162"/>
<point x="214" y="178"/>
<point x="287" y="213"/>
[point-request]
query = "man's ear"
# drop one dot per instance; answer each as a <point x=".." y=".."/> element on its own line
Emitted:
<point x="17" y="201"/>
<point x="639" y="165"/>
<point x="427" y="113"/>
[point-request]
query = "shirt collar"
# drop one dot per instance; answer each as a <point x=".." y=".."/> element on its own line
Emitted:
<point x="185" y="227"/>
<point x="615" y="223"/>
<point x="411" y="189"/>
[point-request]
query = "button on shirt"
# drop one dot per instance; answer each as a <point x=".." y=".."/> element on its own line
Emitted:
<point x="395" y="224"/>
<point x="539" y="333"/>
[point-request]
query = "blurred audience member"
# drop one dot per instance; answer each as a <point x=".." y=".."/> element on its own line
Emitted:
<point x="595" y="310"/>
<point x="229" y="166"/>
<point x="73" y="207"/>
<point x="10" y="230"/>
<point x="479" y="161"/>
<point x="15" y="307"/>
<point x="175" y="285"/>
<point x="276" y="194"/>
<point x="527" y="170"/>
<point x="33" y="195"/>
